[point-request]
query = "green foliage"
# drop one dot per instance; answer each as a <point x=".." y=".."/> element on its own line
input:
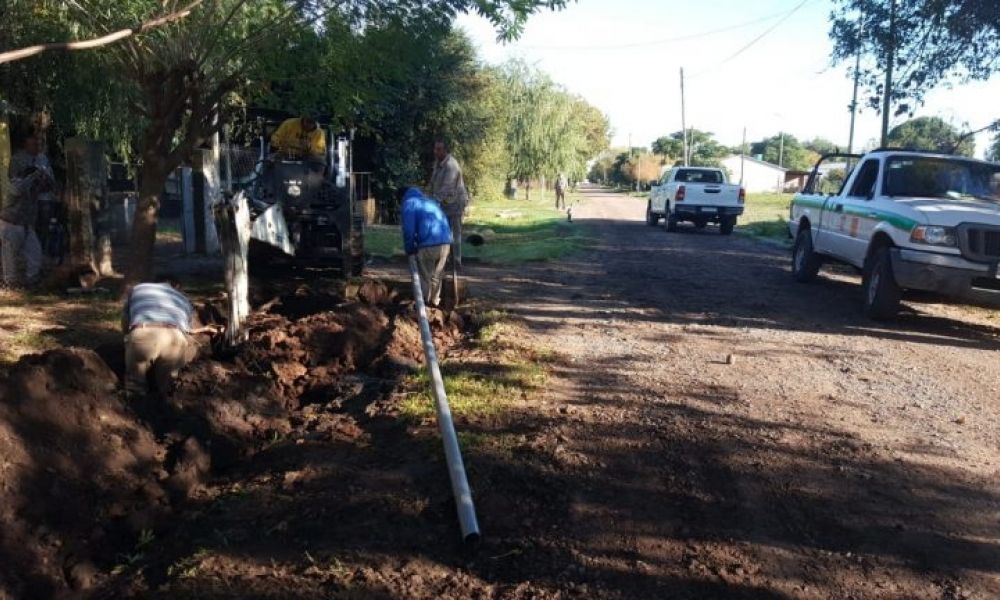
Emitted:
<point x="821" y="146"/>
<point x="930" y="133"/>
<point x="549" y="131"/>
<point x="934" y="41"/>
<point x="993" y="152"/>
<point x="832" y="181"/>
<point x="704" y="150"/>
<point x="786" y="150"/>
<point x="73" y="89"/>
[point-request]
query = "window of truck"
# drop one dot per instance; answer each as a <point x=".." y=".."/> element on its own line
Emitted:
<point x="935" y="177"/>
<point x="864" y="184"/>
<point x="698" y="176"/>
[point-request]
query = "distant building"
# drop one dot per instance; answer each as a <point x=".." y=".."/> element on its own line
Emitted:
<point x="755" y="175"/>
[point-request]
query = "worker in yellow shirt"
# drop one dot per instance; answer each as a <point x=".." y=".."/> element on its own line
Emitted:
<point x="300" y="137"/>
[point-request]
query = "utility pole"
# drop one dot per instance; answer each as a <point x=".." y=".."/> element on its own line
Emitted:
<point x="684" y="130"/>
<point x="857" y="77"/>
<point x="891" y="59"/>
<point x="781" y="151"/>
<point x="743" y="153"/>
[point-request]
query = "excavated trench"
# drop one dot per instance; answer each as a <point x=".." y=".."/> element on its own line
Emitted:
<point x="84" y="473"/>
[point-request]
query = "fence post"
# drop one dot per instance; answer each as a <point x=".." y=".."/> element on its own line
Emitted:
<point x="200" y="236"/>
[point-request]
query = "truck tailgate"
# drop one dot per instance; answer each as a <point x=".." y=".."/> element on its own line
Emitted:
<point x="711" y="194"/>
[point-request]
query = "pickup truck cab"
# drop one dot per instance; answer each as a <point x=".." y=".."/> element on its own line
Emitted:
<point x="696" y="194"/>
<point x="908" y="221"/>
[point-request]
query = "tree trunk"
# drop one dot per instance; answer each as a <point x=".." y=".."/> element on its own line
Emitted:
<point x="152" y="179"/>
<point x="233" y="222"/>
<point x="527" y="190"/>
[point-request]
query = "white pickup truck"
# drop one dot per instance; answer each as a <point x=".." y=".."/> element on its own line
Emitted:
<point x="697" y="194"/>
<point x="908" y="221"/>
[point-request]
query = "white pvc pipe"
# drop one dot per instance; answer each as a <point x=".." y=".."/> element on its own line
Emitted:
<point x="453" y="455"/>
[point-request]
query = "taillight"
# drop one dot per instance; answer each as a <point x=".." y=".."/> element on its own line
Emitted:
<point x="680" y="194"/>
<point x="743" y="195"/>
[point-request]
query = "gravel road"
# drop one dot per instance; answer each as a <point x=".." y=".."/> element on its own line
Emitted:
<point x="709" y="429"/>
<point x="726" y="432"/>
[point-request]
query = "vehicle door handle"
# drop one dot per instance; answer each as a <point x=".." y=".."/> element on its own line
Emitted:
<point x="872" y="215"/>
<point x="838" y="208"/>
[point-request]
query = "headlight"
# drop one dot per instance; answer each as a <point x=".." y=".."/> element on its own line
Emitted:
<point x="933" y="236"/>
<point x="294" y="190"/>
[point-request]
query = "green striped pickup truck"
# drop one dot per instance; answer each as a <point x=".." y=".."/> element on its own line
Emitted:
<point x="907" y="220"/>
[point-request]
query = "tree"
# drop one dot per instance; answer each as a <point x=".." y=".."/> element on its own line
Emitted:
<point x="993" y="152"/>
<point x="786" y="150"/>
<point x="180" y="76"/>
<point x="549" y="131"/>
<point x="930" y="133"/>
<point x="704" y="150"/>
<point x="919" y="43"/>
<point x="821" y="146"/>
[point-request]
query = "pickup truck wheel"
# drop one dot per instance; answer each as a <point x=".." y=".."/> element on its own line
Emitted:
<point x="671" y="220"/>
<point x="726" y="225"/>
<point x="651" y="217"/>
<point x="700" y="224"/>
<point x="805" y="262"/>
<point x="882" y="293"/>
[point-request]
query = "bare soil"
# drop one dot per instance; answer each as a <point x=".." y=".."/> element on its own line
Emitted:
<point x="708" y="429"/>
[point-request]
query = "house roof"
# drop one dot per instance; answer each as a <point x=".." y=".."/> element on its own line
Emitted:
<point x="749" y="158"/>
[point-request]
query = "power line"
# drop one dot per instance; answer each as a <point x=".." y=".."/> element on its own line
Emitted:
<point x="681" y="38"/>
<point x="752" y="42"/>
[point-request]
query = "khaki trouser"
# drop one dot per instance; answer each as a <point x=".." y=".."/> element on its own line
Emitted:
<point x="19" y="243"/>
<point x="455" y="222"/>
<point x="432" y="261"/>
<point x="164" y="351"/>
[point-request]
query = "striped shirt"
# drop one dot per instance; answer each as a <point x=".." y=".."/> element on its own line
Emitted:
<point x="158" y="303"/>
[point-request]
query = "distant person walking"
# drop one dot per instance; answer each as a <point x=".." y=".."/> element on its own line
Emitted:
<point x="157" y="319"/>
<point x="561" y="185"/>
<point x="448" y="188"/>
<point x="30" y="177"/>
<point x="426" y="234"/>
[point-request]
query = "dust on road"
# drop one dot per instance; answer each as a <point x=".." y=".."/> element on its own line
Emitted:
<point x="732" y="433"/>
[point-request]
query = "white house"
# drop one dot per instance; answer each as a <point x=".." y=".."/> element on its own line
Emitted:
<point x="755" y="175"/>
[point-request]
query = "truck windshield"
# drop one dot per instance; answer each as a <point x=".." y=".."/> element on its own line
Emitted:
<point x="952" y="178"/>
<point x="699" y="176"/>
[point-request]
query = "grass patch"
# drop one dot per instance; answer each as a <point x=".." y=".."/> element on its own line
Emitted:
<point x="515" y="231"/>
<point x="766" y="216"/>
<point x="473" y="393"/>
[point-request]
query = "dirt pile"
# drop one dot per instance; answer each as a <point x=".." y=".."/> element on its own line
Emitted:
<point x="78" y="473"/>
<point x="86" y="475"/>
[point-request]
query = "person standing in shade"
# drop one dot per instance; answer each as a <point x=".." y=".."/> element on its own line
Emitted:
<point x="30" y="177"/>
<point x="426" y="234"/>
<point x="448" y="187"/>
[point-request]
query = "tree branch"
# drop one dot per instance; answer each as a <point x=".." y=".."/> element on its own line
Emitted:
<point x="104" y="40"/>
<point x="994" y="126"/>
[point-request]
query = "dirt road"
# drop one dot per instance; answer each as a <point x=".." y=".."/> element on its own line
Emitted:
<point x="708" y="429"/>
<point x="833" y="458"/>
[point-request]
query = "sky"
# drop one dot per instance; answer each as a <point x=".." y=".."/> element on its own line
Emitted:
<point x="625" y="56"/>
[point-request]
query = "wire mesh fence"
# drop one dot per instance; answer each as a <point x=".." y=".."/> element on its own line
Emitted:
<point x="240" y="163"/>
